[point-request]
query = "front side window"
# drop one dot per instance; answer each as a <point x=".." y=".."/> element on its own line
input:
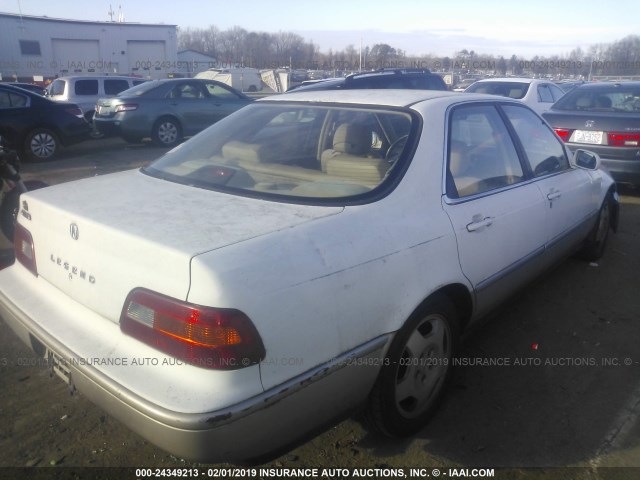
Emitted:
<point x="542" y="147"/>
<point x="219" y="91"/>
<point x="482" y="156"/>
<point x="297" y="152"/>
<point x="57" y="87"/>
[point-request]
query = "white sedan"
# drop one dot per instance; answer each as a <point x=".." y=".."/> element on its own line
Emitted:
<point x="309" y="253"/>
<point x="538" y="94"/>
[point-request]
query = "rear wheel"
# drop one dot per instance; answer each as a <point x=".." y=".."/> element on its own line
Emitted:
<point x="41" y="144"/>
<point x="166" y="132"/>
<point x="417" y="368"/>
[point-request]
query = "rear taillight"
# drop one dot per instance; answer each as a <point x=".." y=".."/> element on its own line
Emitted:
<point x="623" y="139"/>
<point x="24" y="249"/>
<point x="125" y="107"/>
<point x="563" y="133"/>
<point x="217" y="338"/>
<point x="74" y="111"/>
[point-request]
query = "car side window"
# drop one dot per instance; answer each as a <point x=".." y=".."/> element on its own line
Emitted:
<point x="556" y="92"/>
<point x="86" y="87"/>
<point x="543" y="149"/>
<point x="115" y="86"/>
<point x="186" y="90"/>
<point x="544" y="94"/>
<point x="12" y="100"/>
<point x="219" y="91"/>
<point x="482" y="156"/>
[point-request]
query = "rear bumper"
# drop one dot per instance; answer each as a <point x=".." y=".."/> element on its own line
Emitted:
<point x="250" y="428"/>
<point x="623" y="171"/>
<point x="108" y="128"/>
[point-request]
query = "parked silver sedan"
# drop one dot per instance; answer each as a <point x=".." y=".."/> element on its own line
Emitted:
<point x="166" y="110"/>
<point x="537" y="94"/>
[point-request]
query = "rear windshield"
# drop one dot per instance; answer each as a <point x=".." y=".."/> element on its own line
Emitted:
<point x="295" y="152"/>
<point x="602" y="98"/>
<point x="515" y="90"/>
<point x="139" y="89"/>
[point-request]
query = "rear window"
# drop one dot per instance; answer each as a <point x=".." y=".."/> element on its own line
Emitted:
<point x="141" y="88"/>
<point x="515" y="90"/>
<point x="402" y="81"/>
<point x="603" y="98"/>
<point x="295" y="152"/>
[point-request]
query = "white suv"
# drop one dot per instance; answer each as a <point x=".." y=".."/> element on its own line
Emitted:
<point x="85" y="91"/>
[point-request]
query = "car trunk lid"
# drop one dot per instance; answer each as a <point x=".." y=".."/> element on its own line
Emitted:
<point x="98" y="239"/>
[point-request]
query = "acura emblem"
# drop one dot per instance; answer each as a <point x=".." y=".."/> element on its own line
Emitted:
<point x="589" y="123"/>
<point x="74" y="231"/>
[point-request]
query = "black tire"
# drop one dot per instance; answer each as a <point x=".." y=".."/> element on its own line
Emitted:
<point x="418" y="366"/>
<point x="166" y="132"/>
<point x="596" y="242"/>
<point x="41" y="144"/>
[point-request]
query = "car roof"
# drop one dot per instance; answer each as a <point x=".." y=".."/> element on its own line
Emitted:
<point x="383" y="97"/>
<point x="595" y="85"/>
<point x="513" y="79"/>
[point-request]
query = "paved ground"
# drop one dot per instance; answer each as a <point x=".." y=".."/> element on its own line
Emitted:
<point x="565" y="392"/>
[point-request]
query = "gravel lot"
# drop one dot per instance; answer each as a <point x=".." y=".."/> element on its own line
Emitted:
<point x="565" y="392"/>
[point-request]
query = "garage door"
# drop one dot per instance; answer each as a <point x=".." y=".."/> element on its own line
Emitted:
<point x="147" y="58"/>
<point x="75" y="56"/>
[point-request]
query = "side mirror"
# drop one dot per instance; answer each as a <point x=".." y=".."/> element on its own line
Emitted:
<point x="586" y="159"/>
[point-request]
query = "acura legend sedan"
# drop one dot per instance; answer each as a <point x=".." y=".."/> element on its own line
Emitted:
<point x="311" y="253"/>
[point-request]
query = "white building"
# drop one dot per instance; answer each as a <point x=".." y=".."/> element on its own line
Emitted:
<point x="191" y="62"/>
<point x="40" y="48"/>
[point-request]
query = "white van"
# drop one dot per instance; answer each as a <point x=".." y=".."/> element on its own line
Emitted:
<point x="85" y="91"/>
<point x="242" y="79"/>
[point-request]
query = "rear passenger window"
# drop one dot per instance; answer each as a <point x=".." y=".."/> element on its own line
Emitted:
<point x="542" y="147"/>
<point x="12" y="100"/>
<point x="86" y="87"/>
<point x="482" y="156"/>
<point x="113" y="86"/>
<point x="544" y="94"/>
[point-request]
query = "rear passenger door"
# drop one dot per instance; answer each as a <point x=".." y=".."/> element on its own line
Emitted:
<point x="498" y="216"/>
<point x="568" y="192"/>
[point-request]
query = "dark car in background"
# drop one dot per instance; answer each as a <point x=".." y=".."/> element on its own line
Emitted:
<point x="605" y="118"/>
<point x="36" y="126"/>
<point x="166" y="110"/>
<point x="413" y="79"/>
<point x="32" y="87"/>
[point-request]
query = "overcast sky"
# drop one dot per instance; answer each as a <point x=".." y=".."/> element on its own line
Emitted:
<point x="439" y="27"/>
